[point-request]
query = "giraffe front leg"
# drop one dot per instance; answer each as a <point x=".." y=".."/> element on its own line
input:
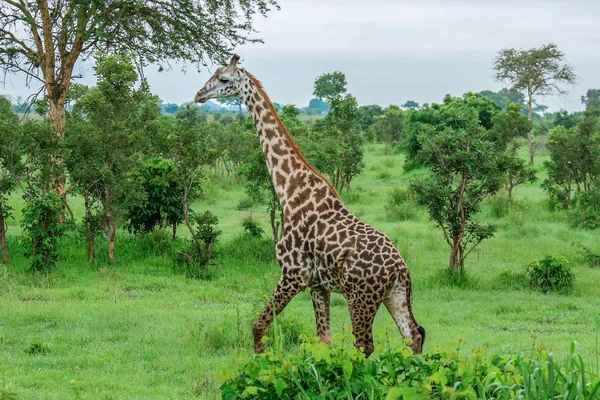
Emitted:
<point x="287" y="288"/>
<point x="320" y="299"/>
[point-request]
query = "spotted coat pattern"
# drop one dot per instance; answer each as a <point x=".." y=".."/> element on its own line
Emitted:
<point x="324" y="247"/>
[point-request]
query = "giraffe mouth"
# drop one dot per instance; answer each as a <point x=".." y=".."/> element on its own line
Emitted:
<point x="201" y="99"/>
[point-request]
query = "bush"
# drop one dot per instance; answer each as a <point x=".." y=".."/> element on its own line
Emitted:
<point x="551" y="274"/>
<point x="591" y="257"/>
<point x="400" y="204"/>
<point x="252" y="228"/>
<point x="341" y="372"/>
<point x="42" y="231"/>
<point x="586" y="214"/>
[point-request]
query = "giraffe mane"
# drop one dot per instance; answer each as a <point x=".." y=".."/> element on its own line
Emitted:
<point x="286" y="133"/>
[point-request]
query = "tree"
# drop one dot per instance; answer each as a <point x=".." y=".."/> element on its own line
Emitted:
<point x="44" y="39"/>
<point x="538" y="72"/>
<point x="508" y="128"/>
<point x="10" y="160"/>
<point x="410" y="104"/>
<point x="389" y="126"/>
<point x="452" y="112"/>
<point x="334" y="145"/>
<point x="319" y="105"/>
<point x="568" y="120"/>
<point x="367" y="114"/>
<point x="574" y="166"/>
<point x="330" y="85"/>
<point x="591" y="99"/>
<point x="116" y="113"/>
<point x="504" y="97"/>
<point x="465" y="168"/>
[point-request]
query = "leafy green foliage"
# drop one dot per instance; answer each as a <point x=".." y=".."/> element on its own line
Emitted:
<point x="42" y="230"/>
<point x="505" y="97"/>
<point x="466" y="168"/>
<point x="163" y="198"/>
<point x="330" y="85"/>
<point x="401" y="204"/>
<point x="252" y="228"/>
<point x="591" y="99"/>
<point x="340" y="372"/>
<point x="388" y="127"/>
<point x="574" y="170"/>
<point x="551" y="274"/>
<point x="334" y="146"/>
<point x="591" y="256"/>
<point x="367" y="115"/>
<point x="410" y="104"/>
<point x="508" y="128"/>
<point x="10" y="162"/>
<point x="454" y="113"/>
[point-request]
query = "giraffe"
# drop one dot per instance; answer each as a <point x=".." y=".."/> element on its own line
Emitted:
<point x="323" y="247"/>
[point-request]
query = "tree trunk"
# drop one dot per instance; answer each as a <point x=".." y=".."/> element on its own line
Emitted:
<point x="90" y="237"/>
<point x="3" y="237"/>
<point x="530" y="133"/>
<point x="110" y="227"/>
<point x="58" y="121"/>
<point x="186" y="217"/>
<point x="274" y="225"/>
<point x="454" y="256"/>
<point x="174" y="230"/>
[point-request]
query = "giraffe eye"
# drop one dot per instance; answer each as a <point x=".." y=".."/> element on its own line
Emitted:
<point x="223" y="80"/>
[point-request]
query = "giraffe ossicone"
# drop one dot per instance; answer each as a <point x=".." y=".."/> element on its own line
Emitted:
<point x="323" y="247"/>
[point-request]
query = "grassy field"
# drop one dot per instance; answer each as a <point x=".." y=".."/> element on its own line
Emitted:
<point x="139" y="330"/>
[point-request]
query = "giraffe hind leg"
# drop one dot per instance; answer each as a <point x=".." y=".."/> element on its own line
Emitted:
<point x="321" y="304"/>
<point x="398" y="305"/>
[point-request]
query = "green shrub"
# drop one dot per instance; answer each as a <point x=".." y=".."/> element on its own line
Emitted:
<point x="191" y="263"/>
<point x="252" y="228"/>
<point x="592" y="257"/>
<point x="400" y="204"/>
<point x="551" y="274"/>
<point x="42" y="231"/>
<point x="586" y="214"/>
<point x="341" y="372"/>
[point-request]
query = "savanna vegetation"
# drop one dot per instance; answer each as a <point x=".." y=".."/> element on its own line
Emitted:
<point x="137" y="237"/>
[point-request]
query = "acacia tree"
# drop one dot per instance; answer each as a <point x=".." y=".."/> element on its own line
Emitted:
<point x="538" y="72"/>
<point x="43" y="40"/>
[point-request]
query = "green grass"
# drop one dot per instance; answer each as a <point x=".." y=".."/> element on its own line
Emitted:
<point x="138" y="330"/>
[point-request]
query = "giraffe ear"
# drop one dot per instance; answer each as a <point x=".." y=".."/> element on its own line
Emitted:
<point x="233" y="61"/>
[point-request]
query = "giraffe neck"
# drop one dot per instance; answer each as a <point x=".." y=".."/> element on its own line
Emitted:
<point x="283" y="157"/>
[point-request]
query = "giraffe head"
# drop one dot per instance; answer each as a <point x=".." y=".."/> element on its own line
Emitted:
<point x="225" y="82"/>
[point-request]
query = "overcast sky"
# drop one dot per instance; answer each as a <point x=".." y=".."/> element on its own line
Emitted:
<point x="395" y="50"/>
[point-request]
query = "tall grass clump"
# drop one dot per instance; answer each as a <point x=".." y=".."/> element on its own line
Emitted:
<point x="400" y="204"/>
